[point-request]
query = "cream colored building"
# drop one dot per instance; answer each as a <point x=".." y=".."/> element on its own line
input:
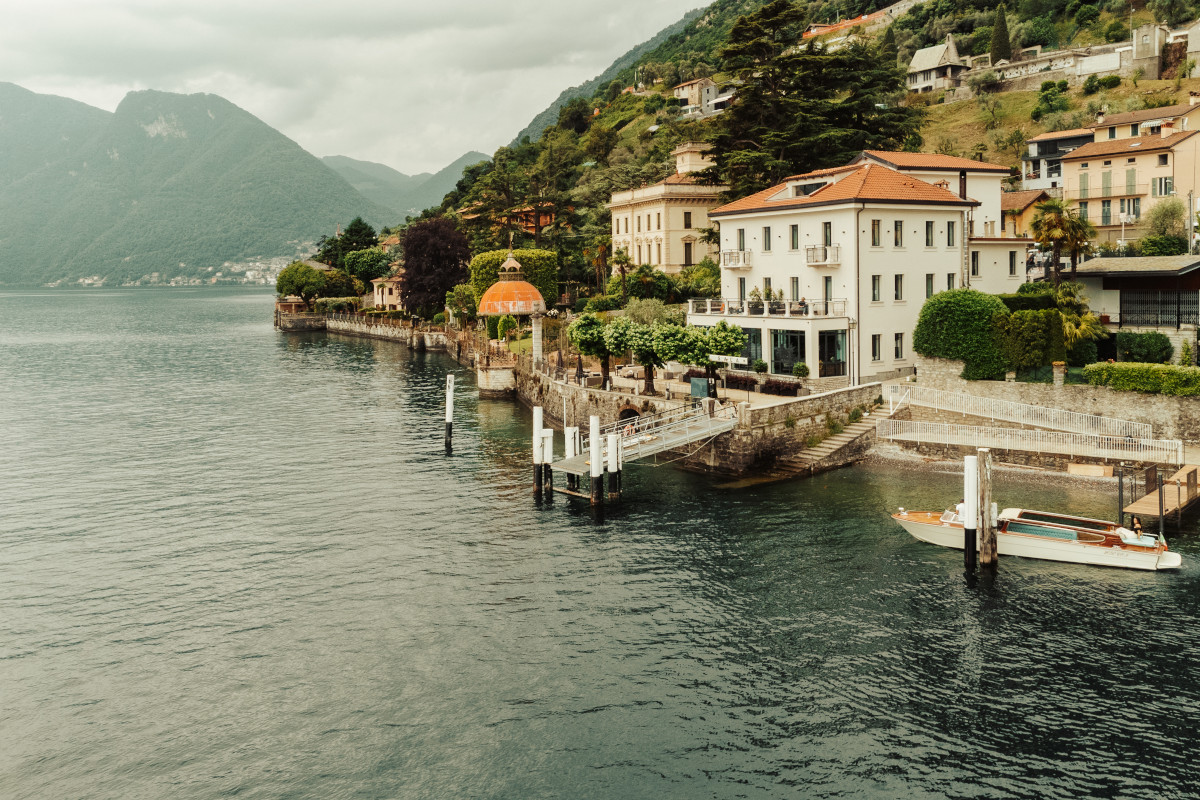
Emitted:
<point x="832" y="267"/>
<point x="386" y="293"/>
<point x="662" y="224"/>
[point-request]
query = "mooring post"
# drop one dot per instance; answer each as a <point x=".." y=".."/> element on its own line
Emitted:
<point x="1162" y="522"/>
<point x="537" y="450"/>
<point x="596" y="461"/>
<point x="970" y="512"/>
<point x="1121" y="495"/>
<point x="547" y="460"/>
<point x="569" y="452"/>
<point x="988" y="552"/>
<point x="614" y="467"/>
<point x="449" y="412"/>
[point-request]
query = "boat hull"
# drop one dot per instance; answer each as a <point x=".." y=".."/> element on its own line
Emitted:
<point x="929" y="528"/>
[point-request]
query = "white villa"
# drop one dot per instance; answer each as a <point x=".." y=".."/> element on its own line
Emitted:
<point x="832" y="267"/>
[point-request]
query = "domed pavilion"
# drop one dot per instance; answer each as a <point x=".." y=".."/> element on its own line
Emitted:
<point x="514" y="295"/>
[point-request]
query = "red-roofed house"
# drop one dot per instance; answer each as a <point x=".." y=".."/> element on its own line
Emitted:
<point x="662" y="224"/>
<point x="832" y="267"/>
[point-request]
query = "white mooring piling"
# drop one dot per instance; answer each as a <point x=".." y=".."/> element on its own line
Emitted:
<point x="614" y="466"/>
<point x="988" y="551"/>
<point x="971" y="510"/>
<point x="537" y="449"/>
<point x="449" y="412"/>
<point x="571" y="436"/>
<point x="547" y="460"/>
<point x="596" y="461"/>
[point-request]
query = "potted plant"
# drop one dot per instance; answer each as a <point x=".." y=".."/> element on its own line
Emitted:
<point x="776" y="302"/>
<point x="800" y="369"/>
<point x="754" y="302"/>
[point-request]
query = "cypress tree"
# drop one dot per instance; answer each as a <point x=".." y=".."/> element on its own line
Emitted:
<point x="887" y="48"/>
<point x="1001" y="44"/>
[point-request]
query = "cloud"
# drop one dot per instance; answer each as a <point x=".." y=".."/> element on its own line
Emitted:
<point x="410" y="84"/>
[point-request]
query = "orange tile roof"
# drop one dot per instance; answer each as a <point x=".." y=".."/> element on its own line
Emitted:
<point x="817" y="173"/>
<point x="1019" y="201"/>
<point x="518" y="298"/>
<point x="901" y="160"/>
<point x="1133" y="144"/>
<point x="870" y="182"/>
<point x="1050" y="135"/>
<point x="1162" y="112"/>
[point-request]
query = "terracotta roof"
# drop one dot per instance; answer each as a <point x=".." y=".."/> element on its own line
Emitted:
<point x="870" y="182"/>
<point x="1129" y="117"/>
<point x="817" y="173"/>
<point x="1133" y="144"/>
<point x="1051" y="135"/>
<point x="518" y="298"/>
<point x="1019" y="201"/>
<point x="901" y="160"/>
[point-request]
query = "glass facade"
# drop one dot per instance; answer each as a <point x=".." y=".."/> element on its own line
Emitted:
<point x="753" y="348"/>
<point x="787" y="347"/>
<point x="831" y="353"/>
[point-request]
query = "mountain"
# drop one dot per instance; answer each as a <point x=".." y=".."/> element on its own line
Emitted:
<point x="409" y="195"/>
<point x="166" y="183"/>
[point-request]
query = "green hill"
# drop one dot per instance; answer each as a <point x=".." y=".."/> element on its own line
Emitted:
<point x="168" y="182"/>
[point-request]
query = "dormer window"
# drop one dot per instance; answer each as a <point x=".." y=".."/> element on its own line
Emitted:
<point x="805" y="189"/>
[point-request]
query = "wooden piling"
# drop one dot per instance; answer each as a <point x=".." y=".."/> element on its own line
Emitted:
<point x="988" y="551"/>
<point x="1162" y="522"/>
<point x="596" y="461"/>
<point x="449" y="412"/>
<point x="970" y="512"/>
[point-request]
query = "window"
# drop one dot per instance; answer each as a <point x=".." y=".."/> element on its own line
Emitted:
<point x="899" y="346"/>
<point x="1012" y="262"/>
<point x="827" y="287"/>
<point x="639" y="223"/>
<point x="929" y="233"/>
<point x="876" y="233"/>
<point x="639" y="252"/>
<point x="1112" y="132"/>
<point x="1162" y="187"/>
<point x="647" y="222"/>
<point x="1083" y="206"/>
<point x="950" y="233"/>
<point x="1108" y="163"/>
<point x="1133" y="129"/>
<point x="794" y="237"/>
<point x="742" y="289"/>
<point x="627" y="224"/>
<point x="1083" y="165"/>
<point x="877" y="347"/>
<point x="1131" y="161"/>
<point x="974" y="263"/>
<point x="929" y="285"/>
<point x="876" y="288"/>
<point x="949" y="280"/>
<point x="753" y="348"/>
<point x="1132" y="207"/>
<point x="970" y="227"/>
<point x="687" y="254"/>
<point x="741" y="238"/>
<point x="795" y="288"/>
<point x="787" y="348"/>
<point x="766" y="242"/>
<point x="1162" y="160"/>
<point x="658" y="253"/>
<point x="1106" y="212"/>
<point x="899" y="287"/>
<point x="616" y="226"/>
<point x="827" y="233"/>
<point x="898" y="233"/>
<point x="658" y="221"/>
<point x="687" y="220"/>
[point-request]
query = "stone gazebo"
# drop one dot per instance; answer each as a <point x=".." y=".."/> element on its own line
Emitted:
<point x="513" y="295"/>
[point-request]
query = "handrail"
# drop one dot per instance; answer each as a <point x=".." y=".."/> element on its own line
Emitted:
<point x="1023" y="413"/>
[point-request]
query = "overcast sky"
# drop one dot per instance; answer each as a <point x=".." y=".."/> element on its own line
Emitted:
<point x="410" y="84"/>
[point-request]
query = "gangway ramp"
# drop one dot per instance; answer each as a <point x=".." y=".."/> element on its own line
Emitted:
<point x="1178" y="492"/>
<point x="642" y="437"/>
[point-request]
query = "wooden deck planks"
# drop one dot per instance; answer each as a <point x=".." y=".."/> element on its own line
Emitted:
<point x="1178" y="493"/>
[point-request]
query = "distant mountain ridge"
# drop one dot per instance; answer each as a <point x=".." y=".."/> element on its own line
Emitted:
<point x="408" y="195"/>
<point x="167" y="183"/>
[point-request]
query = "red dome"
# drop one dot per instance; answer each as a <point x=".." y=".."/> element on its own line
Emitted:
<point x="519" y="298"/>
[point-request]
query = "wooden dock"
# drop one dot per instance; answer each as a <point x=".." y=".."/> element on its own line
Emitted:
<point x="1179" y="491"/>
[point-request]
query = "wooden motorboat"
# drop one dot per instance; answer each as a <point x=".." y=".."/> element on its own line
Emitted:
<point x="1052" y="537"/>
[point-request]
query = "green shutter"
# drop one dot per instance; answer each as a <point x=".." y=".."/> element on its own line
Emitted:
<point x="1131" y="181"/>
<point x="1083" y="186"/>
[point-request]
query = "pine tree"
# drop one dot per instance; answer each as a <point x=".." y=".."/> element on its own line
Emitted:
<point x="887" y="48"/>
<point x="1001" y="44"/>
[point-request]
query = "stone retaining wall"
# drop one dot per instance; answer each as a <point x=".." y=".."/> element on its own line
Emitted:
<point x="299" y="323"/>
<point x="1170" y="417"/>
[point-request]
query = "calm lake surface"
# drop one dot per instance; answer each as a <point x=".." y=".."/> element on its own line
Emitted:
<point x="238" y="563"/>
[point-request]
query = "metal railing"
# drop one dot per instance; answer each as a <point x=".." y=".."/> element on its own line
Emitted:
<point x="645" y="436"/>
<point x="823" y="255"/>
<point x="769" y="308"/>
<point x="1105" y="192"/>
<point x="735" y="259"/>
<point x="1009" y="411"/>
<point x="1116" y="448"/>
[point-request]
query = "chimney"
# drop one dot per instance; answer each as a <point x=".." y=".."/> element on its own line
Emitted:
<point x="1168" y="127"/>
<point x="1193" y="98"/>
<point x="962" y="184"/>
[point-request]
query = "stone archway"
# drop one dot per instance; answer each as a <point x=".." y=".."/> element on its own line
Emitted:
<point x="628" y="412"/>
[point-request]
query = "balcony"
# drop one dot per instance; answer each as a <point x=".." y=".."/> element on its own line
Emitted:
<point x="1104" y="192"/>
<point x="786" y="309"/>
<point x="823" y="256"/>
<point x="735" y="259"/>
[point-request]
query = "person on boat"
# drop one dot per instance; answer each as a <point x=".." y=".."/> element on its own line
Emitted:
<point x="961" y="508"/>
<point x="1137" y="525"/>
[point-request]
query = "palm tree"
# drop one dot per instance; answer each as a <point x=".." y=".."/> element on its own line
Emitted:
<point x="1079" y="235"/>
<point x="1050" y="228"/>
<point x="621" y="261"/>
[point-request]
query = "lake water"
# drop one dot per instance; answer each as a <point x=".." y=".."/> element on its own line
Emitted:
<point x="238" y="563"/>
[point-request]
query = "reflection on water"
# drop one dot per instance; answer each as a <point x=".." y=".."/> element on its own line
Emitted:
<point x="238" y="562"/>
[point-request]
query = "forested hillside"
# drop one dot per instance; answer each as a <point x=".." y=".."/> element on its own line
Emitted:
<point x="404" y="194"/>
<point x="167" y="183"/>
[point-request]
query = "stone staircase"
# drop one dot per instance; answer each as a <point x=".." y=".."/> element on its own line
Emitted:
<point x="824" y="456"/>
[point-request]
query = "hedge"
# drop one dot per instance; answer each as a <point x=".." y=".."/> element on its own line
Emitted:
<point x="740" y="382"/>
<point x="1028" y="302"/>
<point x="1149" y="348"/>
<point x="1031" y="338"/>
<point x="1147" y="378"/>
<point x="959" y="324"/>
<point x="539" y="267"/>
<point x="785" y="388"/>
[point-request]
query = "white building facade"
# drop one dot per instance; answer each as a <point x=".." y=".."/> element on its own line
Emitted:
<point x="831" y="268"/>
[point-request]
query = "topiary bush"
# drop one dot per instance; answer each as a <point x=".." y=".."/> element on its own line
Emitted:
<point x="602" y="302"/>
<point x="1163" y="245"/>
<point x="958" y="324"/>
<point x="506" y="324"/>
<point x="800" y="369"/>
<point x="539" y="267"/>
<point x="759" y="366"/>
<point x="439" y="318"/>
<point x="1144" y="348"/>
<point x="1146" y="378"/>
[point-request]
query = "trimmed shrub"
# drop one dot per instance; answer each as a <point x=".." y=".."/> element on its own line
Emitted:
<point x="694" y="373"/>
<point x="785" y="388"/>
<point x="539" y="267"/>
<point x="1028" y="301"/>
<point x="1163" y="245"/>
<point x="493" y="327"/>
<point x="1083" y="353"/>
<point x="744" y="382"/>
<point x="1144" y="348"/>
<point x="439" y="318"/>
<point x="1147" y="378"/>
<point x="958" y="324"/>
<point x="800" y="369"/>
<point x="506" y="324"/>
<point x="1110" y="81"/>
<point x="759" y="366"/>
<point x="602" y="302"/>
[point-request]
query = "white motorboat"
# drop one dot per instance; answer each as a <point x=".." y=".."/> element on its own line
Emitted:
<point x="1051" y="537"/>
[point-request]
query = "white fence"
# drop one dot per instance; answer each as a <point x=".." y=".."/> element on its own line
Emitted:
<point x="1117" y="448"/>
<point x="1021" y="413"/>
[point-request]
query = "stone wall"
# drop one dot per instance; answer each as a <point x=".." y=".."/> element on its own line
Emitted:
<point x="1170" y="417"/>
<point x="298" y="323"/>
<point x="386" y="329"/>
